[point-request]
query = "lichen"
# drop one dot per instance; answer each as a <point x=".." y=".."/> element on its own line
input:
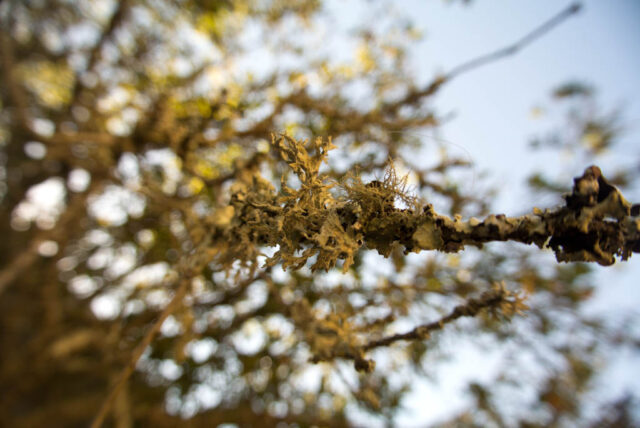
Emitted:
<point x="331" y="221"/>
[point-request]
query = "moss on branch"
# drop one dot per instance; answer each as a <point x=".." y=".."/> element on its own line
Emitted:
<point x="325" y="222"/>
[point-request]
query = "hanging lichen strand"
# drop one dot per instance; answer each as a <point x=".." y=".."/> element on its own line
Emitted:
<point x="332" y="221"/>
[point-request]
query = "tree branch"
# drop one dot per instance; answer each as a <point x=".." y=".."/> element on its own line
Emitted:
<point x="515" y="47"/>
<point x="19" y="264"/>
<point x="331" y="338"/>
<point x="59" y="233"/>
<point x="497" y="298"/>
<point x="126" y="372"/>
<point x="596" y="224"/>
<point x="16" y="90"/>
<point x="122" y="7"/>
<point x="474" y="63"/>
<point x="191" y="266"/>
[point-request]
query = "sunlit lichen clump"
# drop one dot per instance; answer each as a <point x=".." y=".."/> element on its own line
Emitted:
<point x="328" y="221"/>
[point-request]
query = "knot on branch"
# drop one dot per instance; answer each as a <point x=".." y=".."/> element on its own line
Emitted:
<point x="596" y="224"/>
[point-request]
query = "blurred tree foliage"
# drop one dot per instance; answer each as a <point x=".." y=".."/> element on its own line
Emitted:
<point x="167" y="261"/>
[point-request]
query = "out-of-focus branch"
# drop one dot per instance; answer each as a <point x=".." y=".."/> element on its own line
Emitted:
<point x="60" y="232"/>
<point x="19" y="264"/>
<point x="126" y="372"/>
<point x="122" y="7"/>
<point x="330" y="339"/>
<point x="498" y="299"/>
<point x="190" y="266"/>
<point x="101" y="138"/>
<point x="16" y="92"/>
<point x="515" y="47"/>
<point x="430" y="89"/>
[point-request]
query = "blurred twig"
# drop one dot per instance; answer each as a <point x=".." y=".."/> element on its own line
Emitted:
<point x="16" y="91"/>
<point x="192" y="266"/>
<point x="29" y="255"/>
<point x="517" y="46"/>
<point x="126" y="372"/>
<point x="474" y="63"/>
<point x="117" y="18"/>
<point x="493" y="300"/>
<point x="19" y="264"/>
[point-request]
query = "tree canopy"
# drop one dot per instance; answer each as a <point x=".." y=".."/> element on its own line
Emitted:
<point x="209" y="216"/>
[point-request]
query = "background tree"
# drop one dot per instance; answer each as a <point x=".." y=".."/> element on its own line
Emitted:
<point x="205" y="219"/>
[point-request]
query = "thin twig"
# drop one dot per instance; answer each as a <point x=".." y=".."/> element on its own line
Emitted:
<point x="59" y="233"/>
<point x="16" y="91"/>
<point x="466" y="66"/>
<point x="115" y="21"/>
<point x="19" y="265"/>
<point x="192" y="268"/>
<point x="469" y="309"/>
<point x="517" y="46"/>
